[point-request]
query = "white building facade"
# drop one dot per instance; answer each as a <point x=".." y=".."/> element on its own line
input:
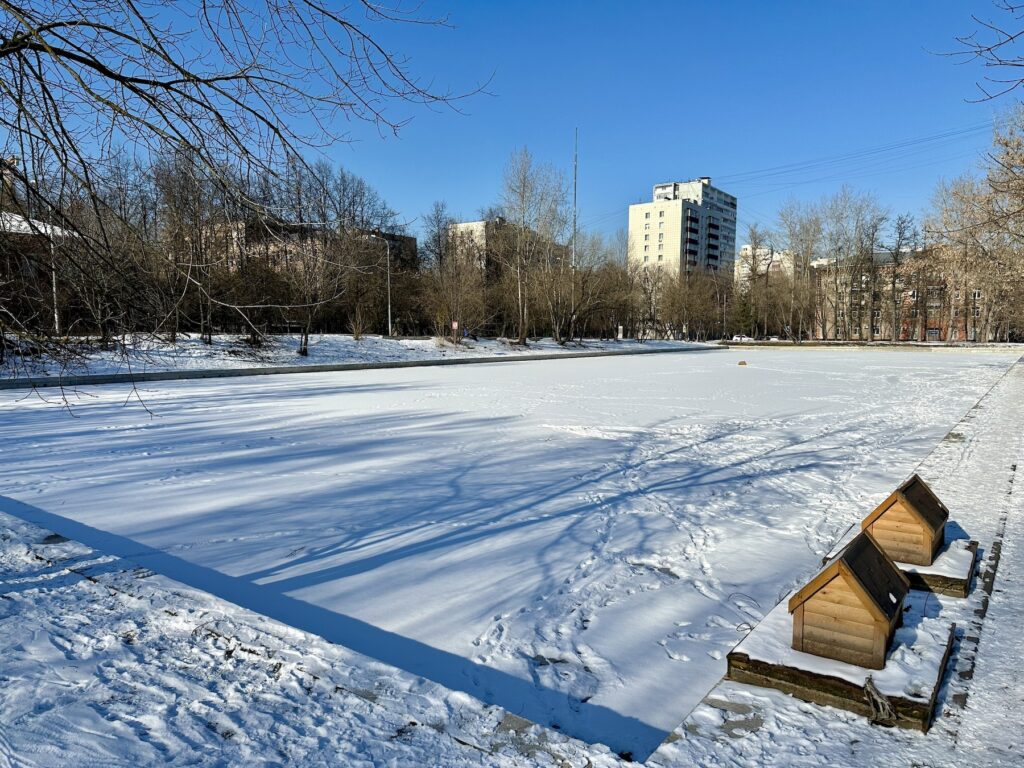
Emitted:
<point x="687" y="227"/>
<point x="766" y="260"/>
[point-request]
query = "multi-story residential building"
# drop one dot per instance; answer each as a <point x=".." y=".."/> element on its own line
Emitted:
<point x="688" y="226"/>
<point x="491" y="241"/>
<point x="765" y="260"/>
<point x="279" y="243"/>
<point x="478" y="240"/>
<point x="910" y="300"/>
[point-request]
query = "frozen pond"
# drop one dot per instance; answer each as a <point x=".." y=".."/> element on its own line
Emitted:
<point x="579" y="542"/>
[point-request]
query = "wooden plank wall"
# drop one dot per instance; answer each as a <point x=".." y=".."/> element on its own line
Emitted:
<point x="834" y="623"/>
<point x="903" y="536"/>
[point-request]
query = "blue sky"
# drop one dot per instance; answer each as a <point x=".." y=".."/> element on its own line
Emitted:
<point x="672" y="90"/>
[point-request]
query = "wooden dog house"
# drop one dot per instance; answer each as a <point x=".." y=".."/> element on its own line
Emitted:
<point x="910" y="525"/>
<point x="850" y="610"/>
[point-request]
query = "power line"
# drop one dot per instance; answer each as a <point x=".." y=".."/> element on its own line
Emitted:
<point x="944" y="137"/>
<point x="862" y="163"/>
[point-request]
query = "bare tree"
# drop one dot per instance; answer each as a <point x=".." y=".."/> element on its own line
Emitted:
<point x="996" y="45"/>
<point x="83" y="82"/>
<point x="801" y="231"/>
<point x="759" y="259"/>
<point x="454" y="279"/>
<point x="901" y="246"/>
<point x="533" y="202"/>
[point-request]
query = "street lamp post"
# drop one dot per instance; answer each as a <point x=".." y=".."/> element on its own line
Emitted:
<point x="387" y="245"/>
<point x="50" y="230"/>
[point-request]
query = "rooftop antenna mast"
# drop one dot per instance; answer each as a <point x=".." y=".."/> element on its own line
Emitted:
<point x="575" y="164"/>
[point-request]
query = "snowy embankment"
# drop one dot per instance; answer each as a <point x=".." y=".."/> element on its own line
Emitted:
<point x="579" y="543"/>
<point x="140" y="356"/>
<point x="106" y="663"/>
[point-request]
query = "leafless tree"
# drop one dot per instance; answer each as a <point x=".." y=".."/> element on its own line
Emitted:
<point x="454" y="277"/>
<point x="242" y="89"/>
<point x="996" y="45"/>
<point x="532" y="201"/>
<point x="901" y="245"/>
<point x="801" y="233"/>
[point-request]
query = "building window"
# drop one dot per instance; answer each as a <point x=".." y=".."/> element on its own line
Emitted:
<point x="661" y="214"/>
<point x="913" y="295"/>
<point x="977" y="311"/>
<point x="660" y="257"/>
<point x="646" y="227"/>
<point x="913" y="311"/>
<point x="661" y="236"/>
<point x="646" y="259"/>
<point x="661" y="225"/>
<point x="977" y="295"/>
<point x="877" y="313"/>
<point x="646" y="238"/>
<point x="647" y="248"/>
<point x="661" y="247"/>
<point x="647" y="215"/>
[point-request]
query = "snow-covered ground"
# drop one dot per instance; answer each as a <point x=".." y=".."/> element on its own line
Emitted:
<point x="577" y="542"/>
<point x="190" y="354"/>
<point x="103" y="663"/>
<point x="976" y="471"/>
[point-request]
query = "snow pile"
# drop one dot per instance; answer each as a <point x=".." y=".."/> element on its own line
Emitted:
<point x="145" y="355"/>
<point x="14" y="224"/>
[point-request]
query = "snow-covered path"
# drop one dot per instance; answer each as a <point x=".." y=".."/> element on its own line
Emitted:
<point x="586" y="536"/>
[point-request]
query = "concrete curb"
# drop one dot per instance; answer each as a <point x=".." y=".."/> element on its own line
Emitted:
<point x="34" y="382"/>
<point x="884" y="345"/>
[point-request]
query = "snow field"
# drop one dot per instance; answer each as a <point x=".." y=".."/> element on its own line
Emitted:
<point x="588" y="537"/>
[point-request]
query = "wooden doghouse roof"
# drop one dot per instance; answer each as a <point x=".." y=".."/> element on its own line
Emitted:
<point x="921" y="501"/>
<point x="863" y="561"/>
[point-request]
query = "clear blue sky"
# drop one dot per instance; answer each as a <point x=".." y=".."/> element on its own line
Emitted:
<point x="671" y="90"/>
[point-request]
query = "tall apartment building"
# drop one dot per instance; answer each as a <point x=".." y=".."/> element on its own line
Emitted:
<point x="688" y="226"/>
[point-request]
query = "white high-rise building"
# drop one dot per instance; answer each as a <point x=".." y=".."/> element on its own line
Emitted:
<point x="688" y="226"/>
